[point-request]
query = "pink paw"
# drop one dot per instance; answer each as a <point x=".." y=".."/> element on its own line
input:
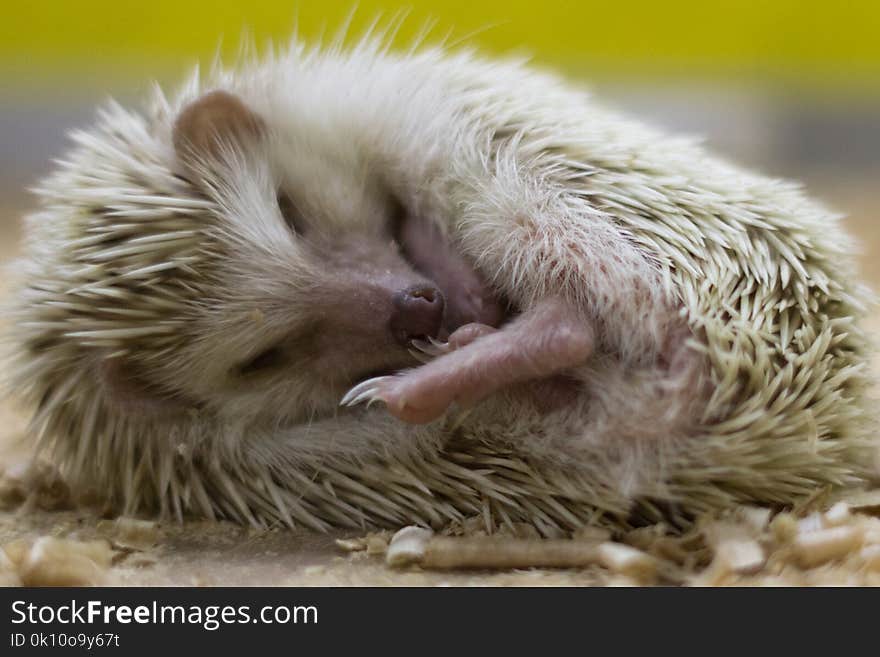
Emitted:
<point x="407" y="396"/>
<point x="423" y="394"/>
<point x="479" y="360"/>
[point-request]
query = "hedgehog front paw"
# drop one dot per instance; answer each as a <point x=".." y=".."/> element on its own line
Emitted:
<point x="409" y="396"/>
<point x="478" y="361"/>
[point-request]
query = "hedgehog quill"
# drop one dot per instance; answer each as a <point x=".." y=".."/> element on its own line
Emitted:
<point x="347" y="287"/>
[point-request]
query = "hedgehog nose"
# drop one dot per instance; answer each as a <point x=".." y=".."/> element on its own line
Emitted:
<point x="418" y="313"/>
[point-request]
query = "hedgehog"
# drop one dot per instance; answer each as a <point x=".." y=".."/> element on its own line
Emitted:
<point x="355" y="287"/>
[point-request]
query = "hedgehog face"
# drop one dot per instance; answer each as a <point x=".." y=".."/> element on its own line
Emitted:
<point x="236" y="267"/>
<point x="309" y="289"/>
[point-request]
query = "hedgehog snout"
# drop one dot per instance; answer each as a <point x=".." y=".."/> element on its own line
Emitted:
<point x="417" y="313"/>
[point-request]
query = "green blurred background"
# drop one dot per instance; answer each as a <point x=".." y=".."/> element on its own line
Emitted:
<point x="790" y="87"/>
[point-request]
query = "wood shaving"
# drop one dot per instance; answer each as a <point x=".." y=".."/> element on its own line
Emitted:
<point x="409" y="546"/>
<point x="418" y="546"/>
<point x="131" y="533"/>
<point x="8" y="571"/>
<point x="816" y="547"/>
<point x="373" y="543"/>
<point x="746" y="546"/>
<point x="31" y="484"/>
<point x="51" y="561"/>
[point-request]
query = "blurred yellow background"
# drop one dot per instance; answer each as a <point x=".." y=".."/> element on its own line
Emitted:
<point x="812" y="41"/>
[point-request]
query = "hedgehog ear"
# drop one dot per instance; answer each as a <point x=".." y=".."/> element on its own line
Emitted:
<point x="207" y="127"/>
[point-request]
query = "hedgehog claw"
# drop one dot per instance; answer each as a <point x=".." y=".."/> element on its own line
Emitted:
<point x="419" y="356"/>
<point x="365" y="391"/>
<point x="368" y="396"/>
<point x="432" y="348"/>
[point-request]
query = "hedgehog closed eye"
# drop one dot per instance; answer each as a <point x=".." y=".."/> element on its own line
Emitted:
<point x="396" y="218"/>
<point x="291" y="214"/>
<point x="268" y="359"/>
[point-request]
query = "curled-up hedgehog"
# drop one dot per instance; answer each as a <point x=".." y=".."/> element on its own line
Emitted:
<point x="354" y="288"/>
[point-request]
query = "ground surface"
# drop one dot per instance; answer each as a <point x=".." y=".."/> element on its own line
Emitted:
<point x="202" y="553"/>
